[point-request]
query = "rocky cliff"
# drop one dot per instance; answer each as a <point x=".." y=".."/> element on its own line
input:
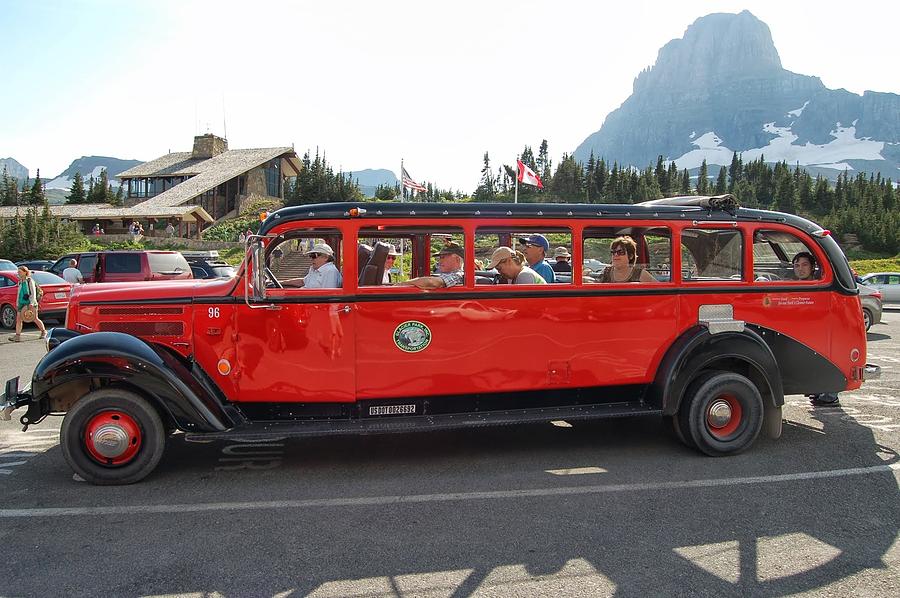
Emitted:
<point x="721" y="88"/>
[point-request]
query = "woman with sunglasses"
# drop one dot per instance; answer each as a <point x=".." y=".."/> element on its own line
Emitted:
<point x="623" y="252"/>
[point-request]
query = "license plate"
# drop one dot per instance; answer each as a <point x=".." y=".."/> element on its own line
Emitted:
<point x="60" y="295"/>
<point x="392" y="410"/>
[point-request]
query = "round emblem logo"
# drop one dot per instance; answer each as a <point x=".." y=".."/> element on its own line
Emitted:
<point x="412" y="336"/>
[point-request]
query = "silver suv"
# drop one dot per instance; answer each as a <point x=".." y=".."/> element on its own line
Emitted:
<point x="871" y="305"/>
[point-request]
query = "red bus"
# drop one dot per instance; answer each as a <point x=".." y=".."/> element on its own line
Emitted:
<point x="388" y="317"/>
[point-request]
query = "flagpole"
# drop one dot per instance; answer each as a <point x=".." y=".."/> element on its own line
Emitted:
<point x="516" y="195"/>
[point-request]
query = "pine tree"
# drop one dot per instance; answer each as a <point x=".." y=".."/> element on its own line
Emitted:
<point x="76" y="193"/>
<point x="36" y="195"/>
<point x="703" y="180"/>
<point x="543" y="161"/>
<point x="722" y="182"/>
<point x="485" y="190"/>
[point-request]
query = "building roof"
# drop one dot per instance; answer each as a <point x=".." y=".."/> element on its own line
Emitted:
<point x="102" y="211"/>
<point x="162" y="166"/>
<point x="205" y="174"/>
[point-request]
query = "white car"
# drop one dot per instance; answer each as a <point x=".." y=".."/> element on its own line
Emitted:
<point x="886" y="282"/>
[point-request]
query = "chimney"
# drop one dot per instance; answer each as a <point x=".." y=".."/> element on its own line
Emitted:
<point x="208" y="146"/>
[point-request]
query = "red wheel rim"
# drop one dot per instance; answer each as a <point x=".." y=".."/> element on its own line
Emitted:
<point x="112" y="437"/>
<point x="723" y="416"/>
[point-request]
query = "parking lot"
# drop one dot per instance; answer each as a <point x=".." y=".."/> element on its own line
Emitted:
<point x="598" y="508"/>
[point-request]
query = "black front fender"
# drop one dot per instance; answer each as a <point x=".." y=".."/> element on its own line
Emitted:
<point x="116" y="358"/>
<point x="697" y="349"/>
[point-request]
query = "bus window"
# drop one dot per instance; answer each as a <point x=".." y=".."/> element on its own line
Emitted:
<point x="779" y="255"/>
<point x="306" y="259"/>
<point x="647" y="258"/>
<point x="711" y="255"/>
<point x="401" y="254"/>
<point x="525" y="252"/>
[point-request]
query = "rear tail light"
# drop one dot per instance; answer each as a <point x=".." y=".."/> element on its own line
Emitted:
<point x="877" y="295"/>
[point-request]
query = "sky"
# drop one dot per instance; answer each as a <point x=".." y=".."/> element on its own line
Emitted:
<point x="369" y="83"/>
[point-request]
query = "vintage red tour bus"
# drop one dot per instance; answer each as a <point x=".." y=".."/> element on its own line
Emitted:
<point x="719" y="328"/>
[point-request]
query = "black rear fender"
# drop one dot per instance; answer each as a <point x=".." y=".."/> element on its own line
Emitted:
<point x="745" y="353"/>
<point x="186" y="397"/>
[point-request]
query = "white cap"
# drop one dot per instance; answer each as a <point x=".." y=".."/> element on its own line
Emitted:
<point x="321" y="248"/>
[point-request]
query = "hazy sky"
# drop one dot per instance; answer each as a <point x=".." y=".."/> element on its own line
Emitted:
<point x="437" y="84"/>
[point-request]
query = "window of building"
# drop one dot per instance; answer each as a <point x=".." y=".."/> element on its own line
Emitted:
<point x="273" y="179"/>
<point x="711" y="255"/>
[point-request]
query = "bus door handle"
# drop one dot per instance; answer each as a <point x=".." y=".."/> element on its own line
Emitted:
<point x="346" y="309"/>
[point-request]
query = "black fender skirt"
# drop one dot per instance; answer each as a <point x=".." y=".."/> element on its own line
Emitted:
<point x="192" y="402"/>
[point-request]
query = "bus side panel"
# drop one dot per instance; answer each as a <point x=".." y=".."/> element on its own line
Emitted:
<point x="510" y="344"/>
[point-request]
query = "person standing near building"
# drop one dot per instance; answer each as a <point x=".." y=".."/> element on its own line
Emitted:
<point x="170" y="230"/>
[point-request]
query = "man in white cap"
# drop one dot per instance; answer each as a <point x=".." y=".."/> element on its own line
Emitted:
<point x="323" y="274"/>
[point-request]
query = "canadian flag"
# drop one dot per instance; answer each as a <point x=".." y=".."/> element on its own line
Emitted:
<point x="528" y="176"/>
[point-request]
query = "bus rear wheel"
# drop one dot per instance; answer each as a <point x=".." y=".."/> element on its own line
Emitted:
<point x="722" y="413"/>
<point x="111" y="437"/>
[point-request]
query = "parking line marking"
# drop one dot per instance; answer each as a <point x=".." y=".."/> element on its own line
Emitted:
<point x="367" y="501"/>
<point x="576" y="471"/>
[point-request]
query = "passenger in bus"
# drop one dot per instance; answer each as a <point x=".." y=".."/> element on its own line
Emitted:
<point x="449" y="270"/>
<point x="388" y="264"/>
<point x="536" y="249"/>
<point x="323" y="274"/>
<point x="511" y="265"/>
<point x="562" y="257"/>
<point x="804" y="266"/>
<point x="623" y="252"/>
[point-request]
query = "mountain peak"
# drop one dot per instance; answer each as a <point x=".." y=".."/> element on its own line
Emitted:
<point x="715" y="49"/>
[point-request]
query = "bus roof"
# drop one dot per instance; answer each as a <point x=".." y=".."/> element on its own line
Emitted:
<point x="695" y="207"/>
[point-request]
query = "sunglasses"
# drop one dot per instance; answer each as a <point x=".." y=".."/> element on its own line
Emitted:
<point x="618" y="252"/>
<point x="390" y="257"/>
<point x="315" y="255"/>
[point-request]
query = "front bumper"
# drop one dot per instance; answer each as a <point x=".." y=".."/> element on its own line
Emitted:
<point x="13" y="398"/>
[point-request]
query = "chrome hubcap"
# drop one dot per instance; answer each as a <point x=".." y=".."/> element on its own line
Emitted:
<point x="110" y="441"/>
<point x="719" y="414"/>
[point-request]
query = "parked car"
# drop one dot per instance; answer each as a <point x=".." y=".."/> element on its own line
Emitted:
<point x="871" y="305"/>
<point x="126" y="266"/>
<point x="52" y="306"/>
<point x="207" y="264"/>
<point x="7" y="266"/>
<point x="886" y="282"/>
<point x="36" y="265"/>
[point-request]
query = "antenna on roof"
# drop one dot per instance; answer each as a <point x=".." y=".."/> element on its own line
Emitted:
<point x="224" y="122"/>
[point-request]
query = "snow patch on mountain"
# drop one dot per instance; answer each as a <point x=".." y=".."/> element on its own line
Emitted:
<point x="65" y="182"/>
<point x="845" y="146"/>
<point x="799" y="110"/>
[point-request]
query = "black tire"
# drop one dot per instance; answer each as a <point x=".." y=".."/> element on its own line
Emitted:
<point x="718" y="391"/>
<point x="8" y="317"/>
<point x="867" y="318"/>
<point x="115" y="403"/>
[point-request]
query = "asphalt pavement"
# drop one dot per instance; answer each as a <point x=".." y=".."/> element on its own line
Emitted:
<point x="612" y="507"/>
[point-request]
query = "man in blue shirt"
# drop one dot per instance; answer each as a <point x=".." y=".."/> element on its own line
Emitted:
<point x="536" y="249"/>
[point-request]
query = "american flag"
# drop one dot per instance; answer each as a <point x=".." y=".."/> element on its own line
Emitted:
<point x="409" y="183"/>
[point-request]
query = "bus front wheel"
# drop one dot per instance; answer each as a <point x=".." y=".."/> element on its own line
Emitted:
<point x="722" y="413"/>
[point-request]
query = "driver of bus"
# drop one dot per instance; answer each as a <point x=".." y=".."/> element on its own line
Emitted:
<point x="449" y="270"/>
<point x="323" y="274"/>
<point x="804" y="266"/>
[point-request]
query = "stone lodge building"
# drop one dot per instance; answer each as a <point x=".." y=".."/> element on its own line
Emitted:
<point x="192" y="190"/>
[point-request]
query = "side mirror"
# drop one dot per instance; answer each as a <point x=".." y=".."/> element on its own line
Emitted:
<point x="255" y="250"/>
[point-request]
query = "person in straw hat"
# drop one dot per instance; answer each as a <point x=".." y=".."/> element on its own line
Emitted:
<point x="562" y="256"/>
<point x="27" y="304"/>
